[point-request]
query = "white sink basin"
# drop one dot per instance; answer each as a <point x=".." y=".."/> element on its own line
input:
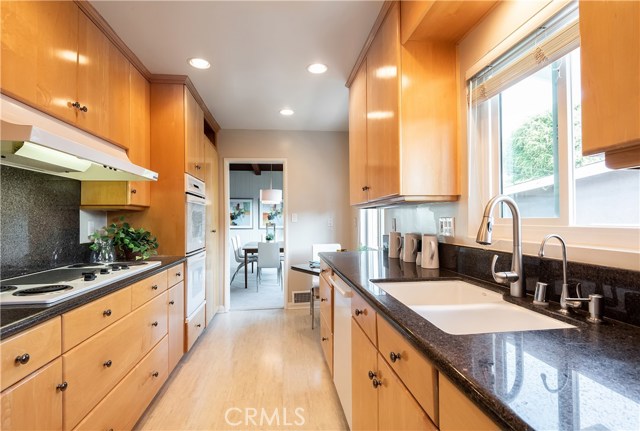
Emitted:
<point x="461" y="308"/>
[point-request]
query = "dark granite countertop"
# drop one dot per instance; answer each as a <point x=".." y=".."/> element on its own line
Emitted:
<point x="582" y="378"/>
<point x="17" y="318"/>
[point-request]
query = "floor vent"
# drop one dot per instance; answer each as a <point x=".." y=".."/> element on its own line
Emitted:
<point x="301" y="297"/>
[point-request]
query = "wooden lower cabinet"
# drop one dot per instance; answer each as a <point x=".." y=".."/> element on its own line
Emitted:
<point x="176" y="324"/>
<point x="123" y="406"/>
<point x="457" y="412"/>
<point x="326" y="341"/>
<point x="397" y="409"/>
<point x="34" y="403"/>
<point x="148" y="288"/>
<point x="364" y="398"/>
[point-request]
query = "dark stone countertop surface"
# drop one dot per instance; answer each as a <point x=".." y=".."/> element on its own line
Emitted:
<point x="17" y="318"/>
<point x="582" y="378"/>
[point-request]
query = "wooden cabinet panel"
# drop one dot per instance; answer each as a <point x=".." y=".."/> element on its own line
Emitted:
<point x="365" y="315"/>
<point x="417" y="373"/>
<point x="195" y="325"/>
<point x="35" y="347"/>
<point x="139" y="134"/>
<point x="383" y="139"/>
<point x="326" y="341"/>
<point x="175" y="274"/>
<point x="365" y="398"/>
<point x="610" y="67"/>
<point x="457" y="412"/>
<point x="83" y="322"/>
<point x="113" y="195"/>
<point x="398" y="410"/>
<point x="212" y="279"/>
<point x="326" y="301"/>
<point x="39" y="54"/>
<point x="34" y="403"/>
<point x="176" y="324"/>
<point x="118" y="98"/>
<point x="123" y="406"/>
<point x="358" y="137"/>
<point x="194" y="132"/>
<point x="148" y="288"/>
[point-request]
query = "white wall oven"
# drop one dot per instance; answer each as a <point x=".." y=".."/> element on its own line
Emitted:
<point x="194" y="295"/>
<point x="196" y="215"/>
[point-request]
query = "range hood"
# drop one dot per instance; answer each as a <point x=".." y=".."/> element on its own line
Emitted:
<point x="35" y="141"/>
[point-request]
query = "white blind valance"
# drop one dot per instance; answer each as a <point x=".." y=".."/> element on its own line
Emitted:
<point x="552" y="41"/>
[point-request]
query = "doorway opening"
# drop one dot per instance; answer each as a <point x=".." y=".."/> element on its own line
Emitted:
<point x="255" y="196"/>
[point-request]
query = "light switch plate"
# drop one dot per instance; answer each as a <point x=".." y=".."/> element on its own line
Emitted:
<point x="446" y="226"/>
<point x="330" y="222"/>
<point x="294" y="218"/>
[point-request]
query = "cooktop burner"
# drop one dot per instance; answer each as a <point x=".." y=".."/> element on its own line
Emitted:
<point x="48" y="287"/>
<point x="42" y="289"/>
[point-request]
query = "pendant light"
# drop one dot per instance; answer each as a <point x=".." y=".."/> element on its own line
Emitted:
<point x="271" y="195"/>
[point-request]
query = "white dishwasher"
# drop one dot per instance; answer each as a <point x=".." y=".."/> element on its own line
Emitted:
<point x="342" y="343"/>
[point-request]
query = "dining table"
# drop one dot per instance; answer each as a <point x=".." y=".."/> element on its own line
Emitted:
<point x="252" y="248"/>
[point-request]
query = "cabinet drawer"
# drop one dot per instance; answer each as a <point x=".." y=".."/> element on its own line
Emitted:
<point x="95" y="366"/>
<point x="83" y="322"/>
<point x="35" y="347"/>
<point x="365" y="315"/>
<point x="175" y="274"/>
<point x="34" y="403"/>
<point x="148" y="288"/>
<point x="417" y="373"/>
<point x="176" y="324"/>
<point x="326" y="301"/>
<point x="457" y="412"/>
<point x="195" y="325"/>
<point x="326" y="341"/>
<point x="123" y="406"/>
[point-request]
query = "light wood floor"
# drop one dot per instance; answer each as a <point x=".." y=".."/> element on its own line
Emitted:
<point x="250" y="370"/>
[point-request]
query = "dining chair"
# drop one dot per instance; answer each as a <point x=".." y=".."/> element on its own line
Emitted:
<point x="242" y="252"/>
<point x="239" y="257"/>
<point x="315" y="281"/>
<point x="269" y="257"/>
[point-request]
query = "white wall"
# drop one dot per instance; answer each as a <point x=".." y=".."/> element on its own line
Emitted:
<point x="504" y="26"/>
<point x="316" y="187"/>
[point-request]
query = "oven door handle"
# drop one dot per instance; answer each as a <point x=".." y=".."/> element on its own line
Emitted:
<point x="193" y="199"/>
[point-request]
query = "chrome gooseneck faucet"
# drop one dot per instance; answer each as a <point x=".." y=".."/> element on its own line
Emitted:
<point x="516" y="276"/>
<point x="564" y="304"/>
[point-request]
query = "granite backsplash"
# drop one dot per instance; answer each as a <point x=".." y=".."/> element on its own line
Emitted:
<point x="39" y="222"/>
<point x="620" y="287"/>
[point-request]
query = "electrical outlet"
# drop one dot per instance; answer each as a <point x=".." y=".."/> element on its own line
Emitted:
<point x="294" y="218"/>
<point x="446" y="226"/>
<point x="330" y="222"/>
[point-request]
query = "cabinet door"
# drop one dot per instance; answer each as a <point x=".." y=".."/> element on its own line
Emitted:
<point x="383" y="143"/>
<point x="39" y="54"/>
<point x="610" y="70"/>
<point x="103" y="85"/>
<point x="398" y="410"/>
<point x="139" y="135"/>
<point x="212" y="279"/>
<point x="326" y="301"/>
<point x="194" y="132"/>
<point x="364" y="396"/>
<point x="358" y="137"/>
<point x="457" y="412"/>
<point x="34" y="403"/>
<point x="176" y="324"/>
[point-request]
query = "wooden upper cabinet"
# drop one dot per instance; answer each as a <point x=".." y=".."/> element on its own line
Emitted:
<point x="103" y="85"/>
<point x="358" y="137"/>
<point x="383" y="140"/>
<point x="194" y="137"/>
<point x="139" y="134"/>
<point x="610" y="71"/>
<point x="39" y="54"/>
<point x="411" y="120"/>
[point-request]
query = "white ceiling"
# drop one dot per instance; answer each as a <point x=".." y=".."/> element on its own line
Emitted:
<point x="259" y="51"/>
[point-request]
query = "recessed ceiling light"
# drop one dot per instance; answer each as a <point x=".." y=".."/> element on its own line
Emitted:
<point x="199" y="63"/>
<point x="317" y="68"/>
<point x="286" y="112"/>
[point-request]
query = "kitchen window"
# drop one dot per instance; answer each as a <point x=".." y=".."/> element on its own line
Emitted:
<point x="525" y="141"/>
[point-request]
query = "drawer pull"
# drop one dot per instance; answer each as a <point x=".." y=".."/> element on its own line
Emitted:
<point x="155" y="374"/>
<point x="198" y="325"/>
<point x="394" y="356"/>
<point x="371" y="375"/>
<point x="155" y="323"/>
<point x="108" y="364"/>
<point x="154" y="287"/>
<point x="323" y="299"/>
<point x="106" y="313"/>
<point x="376" y="383"/>
<point x="134" y="191"/>
<point x="172" y="302"/>
<point x="325" y="339"/>
<point x="179" y="274"/>
<point x="22" y="359"/>
<point x="359" y="312"/>
<point x="62" y="386"/>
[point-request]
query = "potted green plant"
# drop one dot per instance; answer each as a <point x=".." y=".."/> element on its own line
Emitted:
<point x="129" y="243"/>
